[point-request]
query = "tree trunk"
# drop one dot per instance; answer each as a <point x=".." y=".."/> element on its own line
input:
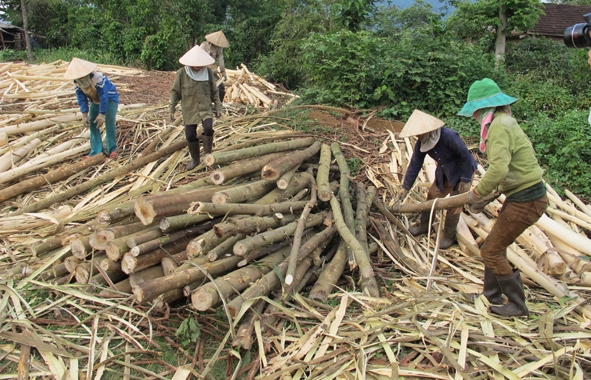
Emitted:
<point x="440" y="204"/>
<point x="220" y="158"/>
<point x="49" y="178"/>
<point x="501" y="35"/>
<point x="275" y="169"/>
<point x="26" y="29"/>
<point x="177" y="222"/>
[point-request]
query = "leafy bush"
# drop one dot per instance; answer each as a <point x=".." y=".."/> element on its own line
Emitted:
<point x="413" y="71"/>
<point x="563" y="147"/>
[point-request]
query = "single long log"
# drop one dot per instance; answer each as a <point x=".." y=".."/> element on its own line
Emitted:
<point x="243" y="193"/>
<point x="441" y="204"/>
<point x="369" y="285"/>
<point x="220" y="158"/>
<point x="224" y="248"/>
<point x="102" y="237"/>
<point x="299" y="232"/>
<point x="299" y="182"/>
<point x="361" y="220"/>
<point x="131" y="264"/>
<point x="330" y="275"/>
<point x="149" y="290"/>
<point x="245" y="208"/>
<point x="242" y="168"/>
<point x="344" y="194"/>
<point x="71" y="192"/>
<point x="149" y="235"/>
<point x="275" y="169"/>
<point x="115" y="213"/>
<point x="113" y="275"/>
<point x="165" y="240"/>
<point x="203" y="243"/>
<point x="167" y="204"/>
<point x="81" y="247"/>
<point x="171" y="263"/>
<point x="245" y="331"/>
<point x="324" y="192"/>
<point x="242" y="247"/>
<point x="122" y="289"/>
<point x="262" y="252"/>
<point x="210" y="294"/>
<point x="284" y="180"/>
<point x="247" y="225"/>
<point x="49" y="178"/>
<point x="148" y="274"/>
<point x="178" y="222"/>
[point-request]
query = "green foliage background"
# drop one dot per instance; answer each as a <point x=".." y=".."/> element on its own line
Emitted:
<point x="350" y="53"/>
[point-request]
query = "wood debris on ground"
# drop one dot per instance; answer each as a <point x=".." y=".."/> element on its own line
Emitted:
<point x="295" y="268"/>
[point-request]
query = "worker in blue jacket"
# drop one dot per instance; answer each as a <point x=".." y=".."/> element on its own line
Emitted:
<point x="455" y="168"/>
<point x="98" y="101"/>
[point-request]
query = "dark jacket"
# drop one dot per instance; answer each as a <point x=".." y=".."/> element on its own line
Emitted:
<point x="454" y="161"/>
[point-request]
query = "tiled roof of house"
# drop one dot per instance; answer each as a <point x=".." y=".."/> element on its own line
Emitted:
<point x="558" y="17"/>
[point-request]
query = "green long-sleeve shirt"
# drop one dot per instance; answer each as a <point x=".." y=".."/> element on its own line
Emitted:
<point x="513" y="165"/>
<point x="195" y="97"/>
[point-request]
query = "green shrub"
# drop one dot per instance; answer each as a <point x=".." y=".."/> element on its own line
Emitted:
<point x="563" y="147"/>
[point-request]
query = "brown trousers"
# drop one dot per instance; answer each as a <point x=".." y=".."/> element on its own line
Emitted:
<point x="434" y="192"/>
<point x="513" y="219"/>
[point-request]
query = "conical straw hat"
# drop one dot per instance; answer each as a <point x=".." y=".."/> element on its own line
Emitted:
<point x="419" y="123"/>
<point x="218" y="38"/>
<point x="196" y="57"/>
<point x="79" y="68"/>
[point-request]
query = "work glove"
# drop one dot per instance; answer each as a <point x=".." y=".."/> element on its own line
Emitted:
<point x="99" y="120"/>
<point x="463" y="187"/>
<point x="85" y="120"/>
<point x="400" y="197"/>
<point x="477" y="202"/>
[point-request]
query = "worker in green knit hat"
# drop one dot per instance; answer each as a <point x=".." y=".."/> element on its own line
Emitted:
<point x="513" y="170"/>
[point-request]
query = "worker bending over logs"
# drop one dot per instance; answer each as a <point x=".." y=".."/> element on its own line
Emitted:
<point x="214" y="45"/>
<point x="514" y="171"/>
<point x="95" y="88"/>
<point x="455" y="168"/>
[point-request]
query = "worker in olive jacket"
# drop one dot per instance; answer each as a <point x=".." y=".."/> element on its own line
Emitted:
<point x="513" y="170"/>
<point x="214" y="45"/>
<point x="194" y="86"/>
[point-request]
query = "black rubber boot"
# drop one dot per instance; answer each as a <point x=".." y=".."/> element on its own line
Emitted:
<point x="422" y="227"/>
<point x="512" y="287"/>
<point x="449" y="231"/>
<point x="194" y="151"/>
<point x="207" y="144"/>
<point x="221" y="91"/>
<point x="492" y="290"/>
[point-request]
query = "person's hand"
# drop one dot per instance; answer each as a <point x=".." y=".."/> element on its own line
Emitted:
<point x="99" y="120"/>
<point x="463" y="187"/>
<point x="171" y="111"/>
<point x="400" y="197"/>
<point x="477" y="202"/>
<point x="218" y="113"/>
<point x="224" y="75"/>
<point x="85" y="120"/>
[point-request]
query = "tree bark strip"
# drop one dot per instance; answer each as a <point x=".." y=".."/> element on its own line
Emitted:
<point x="275" y="169"/>
<point x="123" y="170"/>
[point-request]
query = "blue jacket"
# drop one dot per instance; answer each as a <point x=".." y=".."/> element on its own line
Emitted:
<point x="454" y="161"/>
<point x="104" y="88"/>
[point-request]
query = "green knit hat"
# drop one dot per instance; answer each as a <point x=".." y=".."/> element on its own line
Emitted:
<point x="484" y="94"/>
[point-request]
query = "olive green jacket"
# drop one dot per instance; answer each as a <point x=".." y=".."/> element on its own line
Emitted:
<point x="195" y="97"/>
<point x="513" y="165"/>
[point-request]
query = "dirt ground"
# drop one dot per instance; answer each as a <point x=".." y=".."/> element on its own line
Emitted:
<point x="152" y="88"/>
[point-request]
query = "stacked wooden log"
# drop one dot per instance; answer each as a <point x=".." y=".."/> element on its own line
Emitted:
<point x="245" y="87"/>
